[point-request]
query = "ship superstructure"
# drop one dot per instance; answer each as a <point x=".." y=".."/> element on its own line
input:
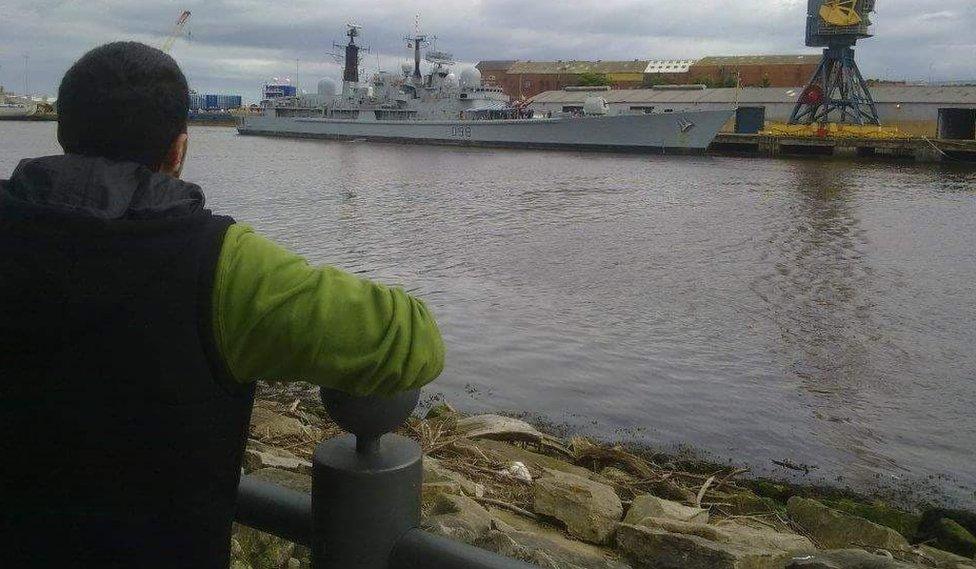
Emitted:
<point x="443" y="106"/>
<point x="16" y="108"/>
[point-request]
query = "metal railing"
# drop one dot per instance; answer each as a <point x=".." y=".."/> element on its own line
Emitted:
<point x="364" y="509"/>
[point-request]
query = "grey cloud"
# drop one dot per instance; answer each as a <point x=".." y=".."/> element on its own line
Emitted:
<point x="235" y="45"/>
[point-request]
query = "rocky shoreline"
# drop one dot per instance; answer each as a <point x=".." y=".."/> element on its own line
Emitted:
<point x="501" y="484"/>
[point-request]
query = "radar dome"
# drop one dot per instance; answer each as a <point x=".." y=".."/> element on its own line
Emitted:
<point x="327" y="88"/>
<point x="451" y="80"/>
<point x="470" y="77"/>
<point x="595" y="106"/>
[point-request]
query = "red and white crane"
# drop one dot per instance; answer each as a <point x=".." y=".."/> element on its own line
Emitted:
<point x="177" y="31"/>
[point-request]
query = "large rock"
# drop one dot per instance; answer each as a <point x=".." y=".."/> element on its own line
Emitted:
<point x="258" y="455"/>
<point x="548" y="538"/>
<point x="905" y="523"/>
<point x="831" y="529"/>
<point x="845" y="559"/>
<point x="931" y="523"/>
<point x="943" y="559"/>
<point x="689" y="528"/>
<point x="735" y="533"/>
<point x="589" y="509"/>
<point x="652" y="548"/>
<point x="457" y="517"/>
<point x="764" y="538"/>
<point x="950" y="535"/>
<point x="648" y="506"/>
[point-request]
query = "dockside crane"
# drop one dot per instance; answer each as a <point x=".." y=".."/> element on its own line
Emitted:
<point x="177" y="31"/>
<point x="837" y="93"/>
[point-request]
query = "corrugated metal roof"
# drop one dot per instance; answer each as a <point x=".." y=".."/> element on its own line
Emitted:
<point x="669" y="65"/>
<point x="758" y="95"/>
<point x="740" y="60"/>
<point x="495" y="64"/>
<point x="573" y="66"/>
<point x="924" y="94"/>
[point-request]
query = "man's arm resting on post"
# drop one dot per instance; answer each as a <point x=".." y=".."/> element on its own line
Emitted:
<point x="276" y="318"/>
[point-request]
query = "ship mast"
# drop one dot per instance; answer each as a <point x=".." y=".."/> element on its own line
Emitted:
<point x="350" y="70"/>
<point x="417" y="41"/>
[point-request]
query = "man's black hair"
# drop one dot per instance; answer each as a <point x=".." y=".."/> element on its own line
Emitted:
<point x="123" y="101"/>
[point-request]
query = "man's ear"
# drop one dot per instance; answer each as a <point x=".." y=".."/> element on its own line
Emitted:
<point x="173" y="161"/>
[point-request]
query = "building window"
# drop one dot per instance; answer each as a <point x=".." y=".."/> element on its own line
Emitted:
<point x="644" y="109"/>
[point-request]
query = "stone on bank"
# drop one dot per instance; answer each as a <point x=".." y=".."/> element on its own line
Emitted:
<point x="579" y="523"/>
<point x="831" y="529"/>
<point x="590" y="510"/>
<point x="652" y="548"/>
<point x="457" y="517"/>
<point x="648" y="506"/>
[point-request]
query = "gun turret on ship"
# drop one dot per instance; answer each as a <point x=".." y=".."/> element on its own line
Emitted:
<point x="445" y="107"/>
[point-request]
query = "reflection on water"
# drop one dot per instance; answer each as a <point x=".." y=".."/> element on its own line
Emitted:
<point x="817" y="290"/>
<point x="810" y="310"/>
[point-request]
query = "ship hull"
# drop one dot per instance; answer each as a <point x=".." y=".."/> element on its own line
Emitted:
<point x="678" y="132"/>
<point x="13" y="112"/>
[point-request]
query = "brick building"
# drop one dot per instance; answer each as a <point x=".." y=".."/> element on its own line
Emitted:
<point x="755" y="70"/>
<point x="494" y="70"/>
<point x="529" y="78"/>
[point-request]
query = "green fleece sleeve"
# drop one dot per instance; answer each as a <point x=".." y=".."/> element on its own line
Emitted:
<point x="278" y="319"/>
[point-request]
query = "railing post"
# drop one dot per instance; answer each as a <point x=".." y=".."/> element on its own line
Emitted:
<point x="366" y="486"/>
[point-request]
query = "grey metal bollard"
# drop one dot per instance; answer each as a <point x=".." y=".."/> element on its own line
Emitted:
<point x="366" y="485"/>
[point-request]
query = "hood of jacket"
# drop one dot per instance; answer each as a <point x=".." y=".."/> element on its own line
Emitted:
<point x="89" y="186"/>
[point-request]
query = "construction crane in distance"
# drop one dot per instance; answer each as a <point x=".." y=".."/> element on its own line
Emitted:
<point x="177" y="31"/>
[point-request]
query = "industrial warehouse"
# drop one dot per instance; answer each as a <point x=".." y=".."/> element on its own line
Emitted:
<point x="931" y="111"/>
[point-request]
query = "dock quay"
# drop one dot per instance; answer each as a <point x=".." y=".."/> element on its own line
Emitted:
<point x="919" y="149"/>
<point x="938" y="122"/>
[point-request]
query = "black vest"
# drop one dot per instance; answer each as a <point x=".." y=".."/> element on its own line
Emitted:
<point x="122" y="433"/>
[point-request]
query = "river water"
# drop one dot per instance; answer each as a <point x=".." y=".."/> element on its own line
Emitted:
<point x="817" y="312"/>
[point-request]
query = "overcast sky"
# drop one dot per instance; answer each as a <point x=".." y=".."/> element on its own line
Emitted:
<point x="235" y="45"/>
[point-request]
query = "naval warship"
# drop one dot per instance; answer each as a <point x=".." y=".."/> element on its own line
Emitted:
<point x="444" y="107"/>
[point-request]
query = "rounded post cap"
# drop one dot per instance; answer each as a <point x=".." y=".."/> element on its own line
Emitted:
<point x="371" y="416"/>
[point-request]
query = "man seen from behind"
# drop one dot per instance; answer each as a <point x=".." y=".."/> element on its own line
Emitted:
<point x="134" y="323"/>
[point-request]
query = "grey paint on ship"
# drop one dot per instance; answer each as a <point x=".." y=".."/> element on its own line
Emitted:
<point x="691" y="131"/>
<point x="444" y="107"/>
